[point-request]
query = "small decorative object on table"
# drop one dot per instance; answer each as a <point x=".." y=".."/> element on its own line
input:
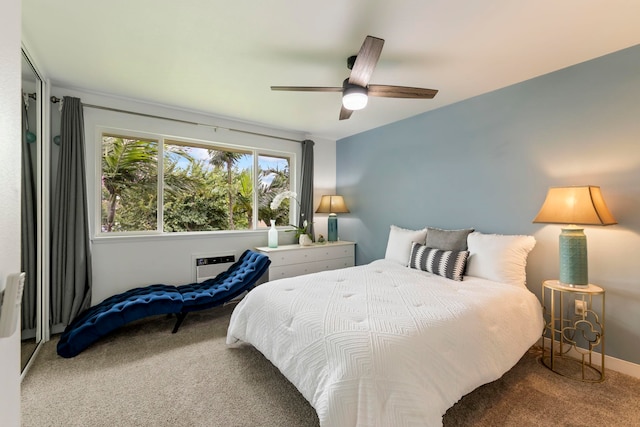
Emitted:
<point x="273" y="235"/>
<point x="303" y="234"/>
<point x="321" y="239"/>
<point x="305" y="240"/>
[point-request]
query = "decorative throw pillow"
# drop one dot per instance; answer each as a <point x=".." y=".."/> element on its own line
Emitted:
<point x="449" y="264"/>
<point x="399" y="243"/>
<point x="448" y="240"/>
<point x="498" y="257"/>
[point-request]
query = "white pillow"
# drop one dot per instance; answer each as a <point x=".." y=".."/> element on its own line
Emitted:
<point x="400" y="241"/>
<point x="497" y="257"/>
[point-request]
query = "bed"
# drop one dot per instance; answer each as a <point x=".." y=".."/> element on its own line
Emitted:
<point x="385" y="344"/>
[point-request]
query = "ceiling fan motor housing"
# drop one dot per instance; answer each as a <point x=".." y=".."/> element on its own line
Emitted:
<point x="350" y="61"/>
<point x="349" y="86"/>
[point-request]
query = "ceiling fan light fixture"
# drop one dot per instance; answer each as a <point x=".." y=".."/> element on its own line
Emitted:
<point x="355" y="98"/>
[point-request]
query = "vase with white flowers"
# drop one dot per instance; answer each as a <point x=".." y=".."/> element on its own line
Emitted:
<point x="303" y="231"/>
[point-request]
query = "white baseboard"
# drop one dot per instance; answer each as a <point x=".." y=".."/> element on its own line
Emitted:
<point x="618" y="365"/>
<point x="622" y="366"/>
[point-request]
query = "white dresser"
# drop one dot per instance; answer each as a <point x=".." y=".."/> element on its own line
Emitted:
<point x="295" y="260"/>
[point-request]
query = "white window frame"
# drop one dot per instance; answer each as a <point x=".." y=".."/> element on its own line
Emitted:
<point x="161" y="139"/>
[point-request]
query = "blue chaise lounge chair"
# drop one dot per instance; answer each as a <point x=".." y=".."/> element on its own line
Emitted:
<point x="103" y="318"/>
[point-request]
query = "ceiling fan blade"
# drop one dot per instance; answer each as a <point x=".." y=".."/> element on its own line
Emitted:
<point x="307" y="88"/>
<point x="344" y="113"/>
<point x="387" y="91"/>
<point x="366" y="61"/>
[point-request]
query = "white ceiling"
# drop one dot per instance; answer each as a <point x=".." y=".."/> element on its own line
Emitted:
<point x="221" y="57"/>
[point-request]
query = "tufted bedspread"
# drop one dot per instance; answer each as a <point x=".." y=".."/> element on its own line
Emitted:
<point x="386" y="345"/>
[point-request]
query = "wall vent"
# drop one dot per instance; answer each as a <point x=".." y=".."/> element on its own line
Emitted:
<point x="207" y="266"/>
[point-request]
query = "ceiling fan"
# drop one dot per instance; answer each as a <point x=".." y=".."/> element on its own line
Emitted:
<point x="356" y="88"/>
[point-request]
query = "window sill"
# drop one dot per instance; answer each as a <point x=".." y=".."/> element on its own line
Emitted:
<point x="115" y="238"/>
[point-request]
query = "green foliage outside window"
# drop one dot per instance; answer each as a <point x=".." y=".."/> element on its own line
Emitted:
<point x="129" y="183"/>
<point x="203" y="188"/>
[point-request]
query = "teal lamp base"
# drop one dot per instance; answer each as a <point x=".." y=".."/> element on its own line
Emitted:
<point x="573" y="257"/>
<point x="332" y="235"/>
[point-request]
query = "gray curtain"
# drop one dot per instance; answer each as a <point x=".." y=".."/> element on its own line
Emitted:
<point x="70" y="251"/>
<point x="306" y="192"/>
<point x="28" y="237"/>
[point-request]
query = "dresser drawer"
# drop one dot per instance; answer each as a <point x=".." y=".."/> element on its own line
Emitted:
<point x="304" y="255"/>
<point x="284" y="271"/>
<point x="296" y="256"/>
<point x="332" y="252"/>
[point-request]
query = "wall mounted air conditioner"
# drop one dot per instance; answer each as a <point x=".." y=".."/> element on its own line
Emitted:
<point x="208" y="265"/>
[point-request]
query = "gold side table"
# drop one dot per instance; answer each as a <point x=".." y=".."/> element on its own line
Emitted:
<point x="574" y="327"/>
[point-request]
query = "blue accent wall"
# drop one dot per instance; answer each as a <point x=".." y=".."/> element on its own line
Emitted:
<point x="487" y="163"/>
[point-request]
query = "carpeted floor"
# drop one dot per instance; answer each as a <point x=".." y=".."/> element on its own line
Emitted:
<point x="142" y="375"/>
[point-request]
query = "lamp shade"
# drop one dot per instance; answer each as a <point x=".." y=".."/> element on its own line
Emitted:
<point x="575" y="205"/>
<point x="332" y="204"/>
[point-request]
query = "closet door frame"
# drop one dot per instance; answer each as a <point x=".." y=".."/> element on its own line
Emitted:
<point x="43" y="170"/>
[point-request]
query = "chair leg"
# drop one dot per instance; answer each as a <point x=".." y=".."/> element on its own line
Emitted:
<point x="180" y="317"/>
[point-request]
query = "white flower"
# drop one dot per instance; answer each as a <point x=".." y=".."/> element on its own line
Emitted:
<point x="275" y="203"/>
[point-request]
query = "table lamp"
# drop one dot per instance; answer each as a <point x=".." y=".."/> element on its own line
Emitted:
<point x="332" y="205"/>
<point x="574" y="206"/>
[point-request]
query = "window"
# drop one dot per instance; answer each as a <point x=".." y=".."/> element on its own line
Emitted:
<point x="151" y="185"/>
<point x="129" y="184"/>
<point x="273" y="178"/>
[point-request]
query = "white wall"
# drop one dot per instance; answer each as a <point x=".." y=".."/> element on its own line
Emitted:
<point x="10" y="196"/>
<point x="121" y="263"/>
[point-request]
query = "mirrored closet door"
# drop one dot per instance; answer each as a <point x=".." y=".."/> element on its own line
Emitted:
<point x="31" y="203"/>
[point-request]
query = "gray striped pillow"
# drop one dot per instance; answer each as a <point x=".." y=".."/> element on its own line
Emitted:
<point x="449" y="264"/>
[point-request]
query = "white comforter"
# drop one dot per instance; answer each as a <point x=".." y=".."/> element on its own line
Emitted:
<point x="386" y="345"/>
